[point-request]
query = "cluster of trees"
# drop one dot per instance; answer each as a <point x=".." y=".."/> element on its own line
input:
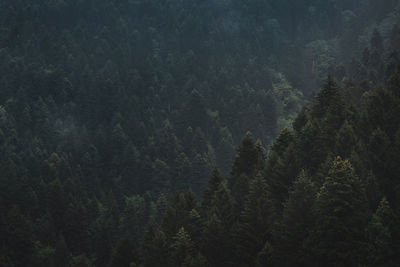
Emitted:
<point x="327" y="193"/>
<point x="111" y="110"/>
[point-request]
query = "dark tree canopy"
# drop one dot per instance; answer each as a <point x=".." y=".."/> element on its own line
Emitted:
<point x="199" y="133"/>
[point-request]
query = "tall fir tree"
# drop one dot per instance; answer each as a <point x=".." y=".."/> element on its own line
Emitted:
<point x="341" y="215"/>
<point x="382" y="234"/>
<point x="214" y="181"/>
<point x="292" y="234"/>
<point x="254" y="228"/>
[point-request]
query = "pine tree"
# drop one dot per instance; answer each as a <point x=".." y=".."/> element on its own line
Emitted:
<point x="216" y="243"/>
<point x="223" y="206"/>
<point x="178" y="213"/>
<point x="182" y="248"/>
<point x="214" y="181"/>
<point x="239" y="193"/>
<point x="282" y="166"/>
<point x="155" y="247"/>
<point x="345" y="140"/>
<point x="382" y="236"/>
<point x="123" y="254"/>
<point x="301" y="119"/>
<point x="329" y="94"/>
<point x="341" y="214"/>
<point x="254" y="228"/>
<point x="298" y="218"/>
<point x="247" y="160"/>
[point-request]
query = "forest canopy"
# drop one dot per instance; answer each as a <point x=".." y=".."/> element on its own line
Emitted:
<point x="199" y="133"/>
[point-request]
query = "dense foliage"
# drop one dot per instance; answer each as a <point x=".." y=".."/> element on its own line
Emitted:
<point x="114" y="113"/>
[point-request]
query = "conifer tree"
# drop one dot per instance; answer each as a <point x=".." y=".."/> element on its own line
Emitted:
<point x="178" y="213"/>
<point x="298" y="219"/>
<point x="382" y="236"/>
<point x="328" y="94"/>
<point x="254" y="228"/>
<point x="239" y="193"/>
<point x="341" y="215"/>
<point x="123" y="254"/>
<point x="216" y="243"/>
<point x="155" y="247"/>
<point x="282" y="166"/>
<point x="247" y="159"/>
<point x="214" y="181"/>
<point x="301" y="119"/>
<point x="182" y="249"/>
<point x="223" y="206"/>
<point x="345" y="140"/>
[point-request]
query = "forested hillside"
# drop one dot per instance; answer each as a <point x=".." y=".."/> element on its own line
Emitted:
<point x="199" y="133"/>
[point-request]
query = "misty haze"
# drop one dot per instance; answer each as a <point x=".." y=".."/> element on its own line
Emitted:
<point x="199" y="133"/>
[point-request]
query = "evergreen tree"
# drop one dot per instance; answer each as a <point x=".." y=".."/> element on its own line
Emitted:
<point x="282" y="166"/>
<point x="381" y="233"/>
<point x="223" y="206"/>
<point x="123" y="254"/>
<point x="214" y="181"/>
<point x="298" y="219"/>
<point x="155" y="248"/>
<point x="178" y="213"/>
<point x="239" y="194"/>
<point x="216" y="243"/>
<point x="247" y="161"/>
<point x="345" y="140"/>
<point x="182" y="249"/>
<point x="341" y="214"/>
<point x="254" y="228"/>
<point x="330" y="104"/>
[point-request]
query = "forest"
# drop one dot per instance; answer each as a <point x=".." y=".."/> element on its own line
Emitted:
<point x="199" y="133"/>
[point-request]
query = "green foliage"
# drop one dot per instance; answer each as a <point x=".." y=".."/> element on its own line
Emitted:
<point x="155" y="248"/>
<point x="182" y="251"/>
<point x="111" y="110"/>
<point x="254" y="228"/>
<point x="341" y="214"/>
<point x="123" y="254"/>
<point x="381" y="232"/>
<point x="249" y="160"/>
<point x="298" y="219"/>
<point x="214" y="182"/>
